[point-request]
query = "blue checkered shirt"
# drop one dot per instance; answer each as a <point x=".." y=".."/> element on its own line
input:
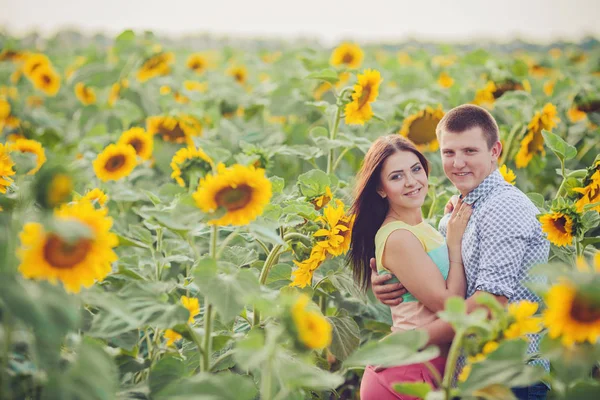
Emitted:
<point x="503" y="240"/>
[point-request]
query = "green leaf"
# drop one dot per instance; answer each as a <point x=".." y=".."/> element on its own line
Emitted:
<point x="277" y="183"/>
<point x="313" y="183"/>
<point x="345" y="337"/>
<point x="584" y="390"/>
<point x="166" y="371"/>
<point x="205" y="386"/>
<point x="418" y="389"/>
<point x="239" y="256"/>
<point x="265" y="233"/>
<point x="562" y="149"/>
<point x="279" y="272"/>
<point x="328" y="75"/>
<point x="537" y="199"/>
<point x="295" y="374"/>
<point x="397" y="349"/>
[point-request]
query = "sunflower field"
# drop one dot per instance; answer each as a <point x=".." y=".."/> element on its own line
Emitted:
<point x="174" y="215"/>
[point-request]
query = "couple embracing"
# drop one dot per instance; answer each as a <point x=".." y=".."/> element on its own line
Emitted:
<point x="487" y="241"/>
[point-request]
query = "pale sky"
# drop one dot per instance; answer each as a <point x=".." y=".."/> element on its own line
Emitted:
<point x="327" y="20"/>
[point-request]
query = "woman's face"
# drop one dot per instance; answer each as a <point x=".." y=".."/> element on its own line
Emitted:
<point x="403" y="181"/>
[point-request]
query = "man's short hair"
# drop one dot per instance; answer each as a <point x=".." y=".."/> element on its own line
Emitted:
<point x="467" y="116"/>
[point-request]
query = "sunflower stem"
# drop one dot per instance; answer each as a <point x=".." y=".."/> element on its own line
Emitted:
<point x="264" y="273"/>
<point x="564" y="180"/>
<point x="323" y="303"/>
<point x="5" y="381"/>
<point x="509" y="142"/>
<point x="451" y="362"/>
<point x="208" y="307"/>
<point x="333" y="133"/>
<point x="340" y="157"/>
<point x="197" y="342"/>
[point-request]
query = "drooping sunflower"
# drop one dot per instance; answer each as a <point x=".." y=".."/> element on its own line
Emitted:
<point x="140" y="140"/>
<point x="322" y="200"/>
<point x="172" y="337"/>
<point x="115" y="162"/>
<point x="303" y="275"/>
<point x="192" y="305"/>
<point x="349" y="55"/>
<point x="508" y="174"/>
<point x="46" y="79"/>
<point x="559" y="227"/>
<point x="366" y="90"/>
<point x="337" y="229"/>
<point x="174" y="129"/>
<point x="445" y="80"/>
<point x="523" y="321"/>
<point x="198" y="63"/>
<point x="190" y="162"/>
<point x="239" y="73"/>
<point x="419" y="128"/>
<point x="96" y="196"/>
<point x="533" y="142"/>
<point x="242" y="192"/>
<point x="570" y="315"/>
<point x="6" y="168"/>
<point x="85" y="94"/>
<point x="484" y="97"/>
<point x="33" y="147"/>
<point x="157" y="65"/>
<point x="74" y="261"/>
<point x="313" y="329"/>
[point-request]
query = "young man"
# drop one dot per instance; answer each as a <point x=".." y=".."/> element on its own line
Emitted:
<point x="503" y="240"/>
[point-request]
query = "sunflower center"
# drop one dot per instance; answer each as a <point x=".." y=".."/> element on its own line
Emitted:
<point x="584" y="311"/>
<point x="137" y="144"/>
<point x="560" y="223"/>
<point x="239" y="77"/>
<point x="364" y="98"/>
<point x="172" y="134"/>
<point x="46" y="78"/>
<point x="35" y="66"/>
<point x="63" y="255"/>
<point x="197" y="65"/>
<point x="422" y="130"/>
<point x="348" y="58"/>
<point x="233" y="199"/>
<point x="115" y="162"/>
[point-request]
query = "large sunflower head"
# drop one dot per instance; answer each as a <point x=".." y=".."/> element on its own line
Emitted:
<point x="241" y="192"/>
<point x="115" y="162"/>
<point x="571" y="314"/>
<point x="6" y="168"/>
<point x="559" y="226"/>
<point x="30" y="146"/>
<point x="336" y="230"/>
<point x="85" y="94"/>
<point x="78" y="253"/>
<point x="140" y="140"/>
<point x="239" y="73"/>
<point x="420" y="127"/>
<point x="349" y="55"/>
<point x="198" y="63"/>
<point x="189" y="164"/>
<point x="46" y="79"/>
<point x="366" y="90"/>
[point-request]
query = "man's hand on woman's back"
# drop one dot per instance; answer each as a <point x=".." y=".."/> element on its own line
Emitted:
<point x="389" y="294"/>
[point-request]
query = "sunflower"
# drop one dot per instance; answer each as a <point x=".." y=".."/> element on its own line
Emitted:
<point x="10" y="92"/>
<point x="115" y="162"/>
<point x="113" y="95"/>
<point x="313" y="329"/>
<point x="303" y="275"/>
<point x="165" y="90"/>
<point x="12" y="55"/>
<point x="445" y="80"/>
<point x="539" y="71"/>
<point x="523" y="321"/>
<point x="188" y="161"/>
<point x="508" y="174"/>
<point x="197" y="62"/>
<point x="322" y="200"/>
<point x="239" y="73"/>
<point x="6" y="168"/>
<point x="157" y="65"/>
<point x="174" y="129"/>
<point x="349" y="55"/>
<point x="366" y="90"/>
<point x="59" y="189"/>
<point x="5" y="109"/>
<point x="533" y="142"/>
<point x="337" y="229"/>
<point x="76" y="262"/>
<point x="570" y="315"/>
<point x="194" y="86"/>
<point x="549" y="87"/>
<point x="172" y="337"/>
<point x="590" y="194"/>
<point x="85" y="94"/>
<point x="46" y="79"/>
<point x="192" y="305"/>
<point x="559" y="227"/>
<point x="33" y="147"/>
<point x="180" y="98"/>
<point x="140" y="140"/>
<point x="96" y="196"/>
<point x="242" y="192"/>
<point x="575" y="114"/>
<point x="485" y="97"/>
<point x="33" y="62"/>
<point x="79" y="62"/>
<point x="419" y="128"/>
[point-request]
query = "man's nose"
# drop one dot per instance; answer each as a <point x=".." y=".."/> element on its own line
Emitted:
<point x="459" y="162"/>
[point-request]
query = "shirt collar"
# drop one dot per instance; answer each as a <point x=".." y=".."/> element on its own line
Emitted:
<point x="486" y="186"/>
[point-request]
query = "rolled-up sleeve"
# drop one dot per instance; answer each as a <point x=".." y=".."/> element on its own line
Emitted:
<point x="504" y="237"/>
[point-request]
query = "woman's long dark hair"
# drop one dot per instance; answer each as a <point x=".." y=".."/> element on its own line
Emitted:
<point x="369" y="208"/>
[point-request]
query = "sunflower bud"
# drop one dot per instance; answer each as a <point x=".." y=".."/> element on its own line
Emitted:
<point x="53" y="187"/>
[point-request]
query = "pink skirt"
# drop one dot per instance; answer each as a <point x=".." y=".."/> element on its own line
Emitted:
<point x="377" y="385"/>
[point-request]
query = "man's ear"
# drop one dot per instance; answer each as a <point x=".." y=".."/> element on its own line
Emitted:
<point x="496" y="150"/>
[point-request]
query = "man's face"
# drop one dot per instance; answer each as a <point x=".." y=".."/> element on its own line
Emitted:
<point x="466" y="158"/>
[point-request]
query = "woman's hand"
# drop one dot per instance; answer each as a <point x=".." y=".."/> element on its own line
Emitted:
<point x="458" y="223"/>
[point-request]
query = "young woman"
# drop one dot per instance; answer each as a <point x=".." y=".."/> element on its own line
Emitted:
<point x="390" y="191"/>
